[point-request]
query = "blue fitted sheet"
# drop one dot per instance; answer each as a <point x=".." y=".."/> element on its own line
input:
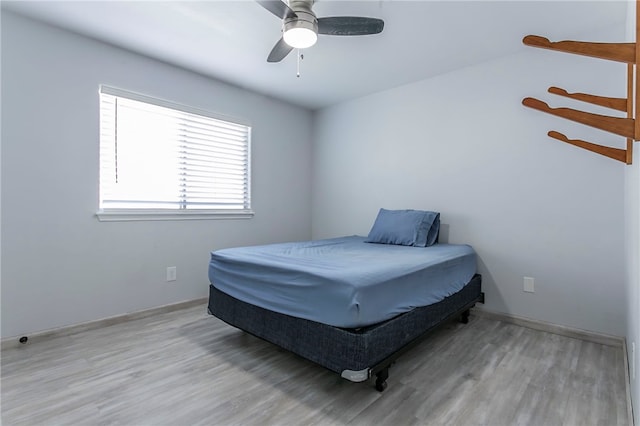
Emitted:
<point x="343" y="282"/>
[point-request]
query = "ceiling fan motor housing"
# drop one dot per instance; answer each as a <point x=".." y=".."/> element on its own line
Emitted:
<point x="305" y="19"/>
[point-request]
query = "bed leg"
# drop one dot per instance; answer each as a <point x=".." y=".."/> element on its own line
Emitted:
<point x="381" y="379"/>
<point x="464" y="318"/>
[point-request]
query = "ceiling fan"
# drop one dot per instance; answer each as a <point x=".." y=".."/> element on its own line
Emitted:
<point x="301" y="27"/>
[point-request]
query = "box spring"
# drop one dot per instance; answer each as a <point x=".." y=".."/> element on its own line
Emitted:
<point x="353" y="353"/>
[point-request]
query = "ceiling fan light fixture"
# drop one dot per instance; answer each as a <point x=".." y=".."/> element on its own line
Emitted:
<point x="300" y="26"/>
<point x="300" y="34"/>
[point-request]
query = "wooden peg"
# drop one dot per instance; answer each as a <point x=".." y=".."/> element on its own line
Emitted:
<point x="620" y="126"/>
<point x="614" y="153"/>
<point x="621" y="52"/>
<point x="619" y="104"/>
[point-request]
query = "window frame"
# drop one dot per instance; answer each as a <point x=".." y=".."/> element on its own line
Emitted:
<point x="153" y="214"/>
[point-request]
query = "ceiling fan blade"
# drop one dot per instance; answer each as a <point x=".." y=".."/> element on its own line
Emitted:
<point x="349" y="25"/>
<point x="278" y="8"/>
<point x="279" y="51"/>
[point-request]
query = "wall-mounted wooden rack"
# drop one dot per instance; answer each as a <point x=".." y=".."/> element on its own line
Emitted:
<point x="628" y="127"/>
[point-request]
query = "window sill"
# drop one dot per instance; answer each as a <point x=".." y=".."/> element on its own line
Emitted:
<point x="124" y="215"/>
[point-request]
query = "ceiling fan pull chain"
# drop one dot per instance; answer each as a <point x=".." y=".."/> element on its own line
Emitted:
<point x="299" y="57"/>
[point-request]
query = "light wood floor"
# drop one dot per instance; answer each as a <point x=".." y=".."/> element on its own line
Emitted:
<point x="188" y="368"/>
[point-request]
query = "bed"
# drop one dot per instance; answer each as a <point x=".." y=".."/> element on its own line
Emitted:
<point x="351" y="304"/>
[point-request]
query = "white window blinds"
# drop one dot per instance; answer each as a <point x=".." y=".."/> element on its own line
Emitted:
<point x="158" y="155"/>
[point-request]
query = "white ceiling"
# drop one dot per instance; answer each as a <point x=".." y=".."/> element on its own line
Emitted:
<point x="230" y="40"/>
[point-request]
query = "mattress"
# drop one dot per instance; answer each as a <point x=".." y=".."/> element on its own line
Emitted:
<point x="343" y="282"/>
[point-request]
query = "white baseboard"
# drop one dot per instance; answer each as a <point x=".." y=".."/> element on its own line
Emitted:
<point x="13" y="342"/>
<point x="590" y="336"/>
<point x="628" y="383"/>
<point x="576" y="333"/>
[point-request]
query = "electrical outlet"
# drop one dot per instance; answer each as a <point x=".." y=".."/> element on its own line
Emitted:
<point x="529" y="285"/>
<point x="172" y="273"/>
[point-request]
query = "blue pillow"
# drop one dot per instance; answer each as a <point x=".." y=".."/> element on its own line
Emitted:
<point x="405" y="227"/>
<point x="431" y="223"/>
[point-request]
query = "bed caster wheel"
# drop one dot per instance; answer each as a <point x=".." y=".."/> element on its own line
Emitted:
<point x="464" y="318"/>
<point x="381" y="386"/>
<point x="381" y="379"/>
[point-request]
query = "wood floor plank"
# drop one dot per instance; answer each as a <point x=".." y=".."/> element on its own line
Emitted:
<point x="188" y="368"/>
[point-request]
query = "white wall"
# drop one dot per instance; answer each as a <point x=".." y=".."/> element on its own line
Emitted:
<point x="632" y="248"/>
<point x="461" y="144"/>
<point x="632" y="233"/>
<point x="61" y="265"/>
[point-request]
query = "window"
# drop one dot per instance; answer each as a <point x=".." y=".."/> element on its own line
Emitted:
<point x="163" y="160"/>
